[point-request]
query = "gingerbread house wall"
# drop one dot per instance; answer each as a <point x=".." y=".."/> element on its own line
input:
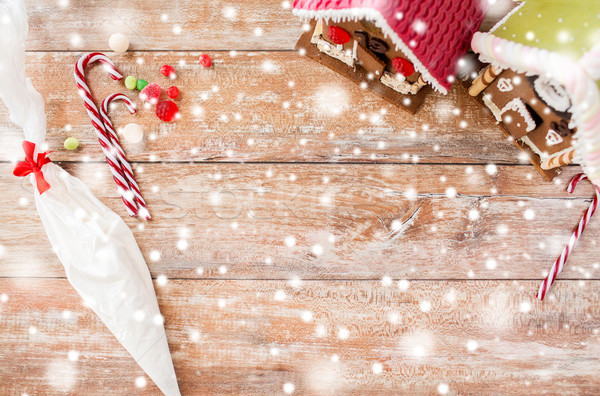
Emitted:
<point x="374" y="34"/>
<point x="543" y="140"/>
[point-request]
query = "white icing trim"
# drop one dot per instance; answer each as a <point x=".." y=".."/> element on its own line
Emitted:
<point x="557" y="138"/>
<point x="517" y="105"/>
<point x="504" y="84"/>
<point x="582" y="88"/>
<point x="374" y="16"/>
<point x="544" y="155"/>
<point x="399" y="84"/>
<point x="507" y="16"/>
<point x="492" y="106"/>
<point x="541" y="83"/>
<point x="534" y="148"/>
<point x="318" y="28"/>
<point x="333" y="51"/>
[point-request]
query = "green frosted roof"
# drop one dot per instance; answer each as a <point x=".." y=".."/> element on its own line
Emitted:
<point x="570" y="27"/>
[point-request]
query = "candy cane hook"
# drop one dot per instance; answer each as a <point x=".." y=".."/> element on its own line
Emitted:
<point x="118" y="174"/>
<point x="560" y="261"/>
<point x="143" y="208"/>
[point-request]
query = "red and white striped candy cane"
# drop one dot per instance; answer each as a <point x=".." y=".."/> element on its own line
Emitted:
<point x="103" y="137"/>
<point x="142" y="207"/>
<point x="560" y="261"/>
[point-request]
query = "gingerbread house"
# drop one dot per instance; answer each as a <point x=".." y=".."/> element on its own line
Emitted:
<point x="397" y="48"/>
<point x="531" y="54"/>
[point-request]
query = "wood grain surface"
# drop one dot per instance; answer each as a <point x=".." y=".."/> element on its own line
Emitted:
<point x="72" y="25"/>
<point x="238" y="112"/>
<point x="335" y="337"/>
<point x="306" y="234"/>
<point x="364" y="221"/>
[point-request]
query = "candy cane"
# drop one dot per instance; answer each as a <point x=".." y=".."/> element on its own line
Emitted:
<point x="560" y="261"/>
<point x="126" y="195"/>
<point x="119" y="149"/>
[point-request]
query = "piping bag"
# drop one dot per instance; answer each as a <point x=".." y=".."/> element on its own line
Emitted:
<point x="101" y="258"/>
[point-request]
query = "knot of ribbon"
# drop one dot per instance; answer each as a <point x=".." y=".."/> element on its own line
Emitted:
<point x="24" y="168"/>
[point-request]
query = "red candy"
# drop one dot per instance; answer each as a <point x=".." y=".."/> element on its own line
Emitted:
<point x="151" y="93"/>
<point x="205" y="60"/>
<point x="338" y="35"/>
<point x="403" y="66"/>
<point x="173" y="92"/>
<point x="168" y="71"/>
<point x="166" y="110"/>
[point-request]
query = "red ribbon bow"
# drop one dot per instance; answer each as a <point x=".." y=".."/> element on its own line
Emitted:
<point x="24" y="168"/>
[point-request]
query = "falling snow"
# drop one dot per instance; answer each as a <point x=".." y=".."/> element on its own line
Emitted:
<point x="141" y="382"/>
<point x="369" y="139"/>
<point x="472" y="345"/>
<point x="443" y="389"/>
<point x="289" y="388"/>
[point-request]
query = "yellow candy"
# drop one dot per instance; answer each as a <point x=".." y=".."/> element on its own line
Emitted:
<point x="130" y="82"/>
<point x="71" y="143"/>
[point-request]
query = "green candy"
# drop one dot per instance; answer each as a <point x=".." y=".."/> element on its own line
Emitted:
<point x="71" y="143"/>
<point x="141" y="84"/>
<point x="131" y="82"/>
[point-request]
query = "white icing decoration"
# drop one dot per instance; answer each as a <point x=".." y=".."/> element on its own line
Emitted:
<point x="487" y="100"/>
<point x="553" y="138"/>
<point x="398" y="83"/>
<point x="582" y="88"/>
<point x="504" y="85"/>
<point x="336" y="52"/>
<point x="554" y="94"/>
<point x="506" y="17"/>
<point x="318" y="28"/>
<point x="517" y="105"/>
<point x="374" y="16"/>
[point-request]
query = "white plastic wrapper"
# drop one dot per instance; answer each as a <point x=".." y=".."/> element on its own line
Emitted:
<point x="98" y="251"/>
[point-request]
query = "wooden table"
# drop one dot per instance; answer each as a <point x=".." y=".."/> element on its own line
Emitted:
<point x="305" y="232"/>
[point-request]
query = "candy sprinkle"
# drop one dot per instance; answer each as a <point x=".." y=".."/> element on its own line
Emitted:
<point x="166" y="110"/>
<point x="338" y="35"/>
<point x="141" y="84"/>
<point x="173" y="92"/>
<point x="205" y="60"/>
<point x="151" y="93"/>
<point x="168" y="71"/>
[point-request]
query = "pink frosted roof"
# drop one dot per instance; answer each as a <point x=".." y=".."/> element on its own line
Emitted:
<point x="434" y="34"/>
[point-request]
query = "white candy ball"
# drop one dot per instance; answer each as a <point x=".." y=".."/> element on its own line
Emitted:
<point x="133" y="133"/>
<point x="118" y="42"/>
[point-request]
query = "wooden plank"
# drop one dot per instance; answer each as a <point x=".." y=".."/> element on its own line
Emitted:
<point x="252" y="337"/>
<point x="187" y="25"/>
<point x="312" y="221"/>
<point x="329" y="119"/>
